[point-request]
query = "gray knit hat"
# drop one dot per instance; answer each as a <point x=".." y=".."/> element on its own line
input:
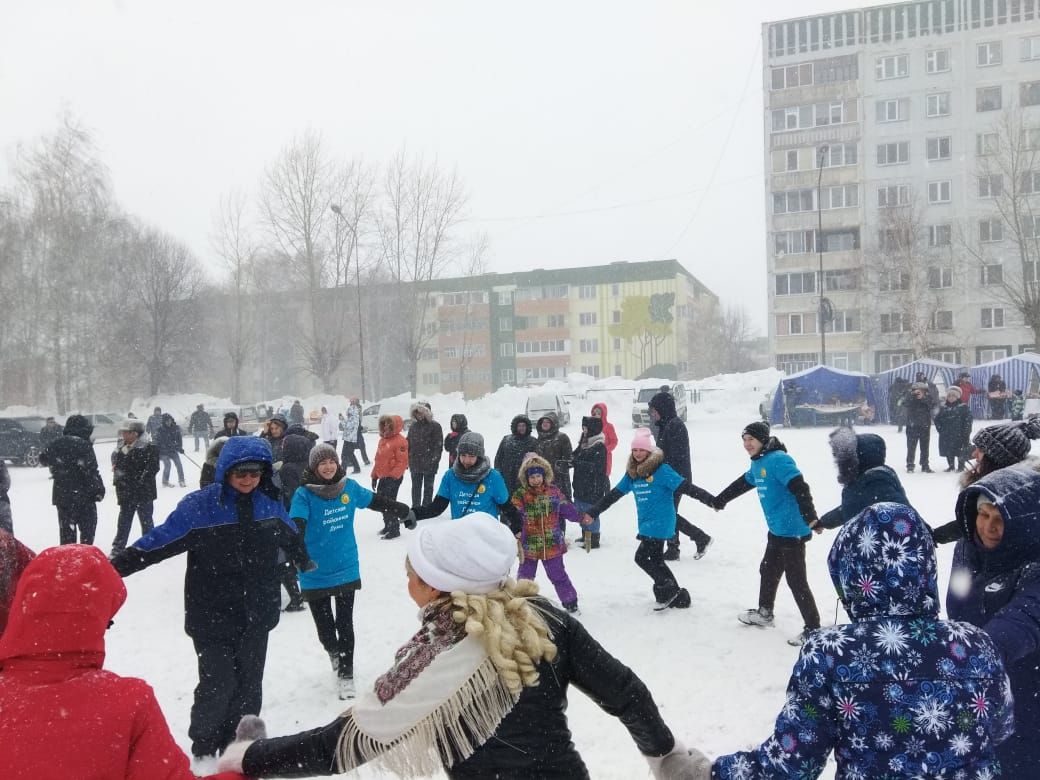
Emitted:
<point x="471" y="443"/>
<point x="1005" y="445"/>
<point x="322" y="452"/>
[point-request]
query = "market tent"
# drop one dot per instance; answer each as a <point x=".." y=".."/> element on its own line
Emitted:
<point x="939" y="372"/>
<point x="1020" y="372"/>
<point x="819" y="386"/>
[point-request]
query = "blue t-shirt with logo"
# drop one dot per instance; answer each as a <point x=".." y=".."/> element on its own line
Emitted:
<point x="466" y="498"/>
<point x="770" y="475"/>
<point x="655" y="506"/>
<point x="330" y="534"/>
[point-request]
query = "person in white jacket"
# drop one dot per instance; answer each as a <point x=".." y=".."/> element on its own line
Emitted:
<point x="329" y="428"/>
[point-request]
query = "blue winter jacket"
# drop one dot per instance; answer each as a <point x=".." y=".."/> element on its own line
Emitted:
<point x="232" y="539"/>
<point x="898" y="693"/>
<point x="770" y="473"/>
<point x="999" y="590"/>
<point x="329" y="534"/>
<point x="653" y="483"/>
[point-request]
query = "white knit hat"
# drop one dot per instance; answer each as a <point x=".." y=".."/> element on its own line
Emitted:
<point x="473" y="554"/>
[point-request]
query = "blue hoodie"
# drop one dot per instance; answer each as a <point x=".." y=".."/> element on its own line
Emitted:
<point x="898" y="693"/>
<point x="999" y="590"/>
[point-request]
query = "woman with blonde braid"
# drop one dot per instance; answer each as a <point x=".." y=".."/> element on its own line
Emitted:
<point x="480" y="690"/>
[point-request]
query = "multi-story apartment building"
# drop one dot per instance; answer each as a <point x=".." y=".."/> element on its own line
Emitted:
<point x="527" y="327"/>
<point x="884" y="180"/>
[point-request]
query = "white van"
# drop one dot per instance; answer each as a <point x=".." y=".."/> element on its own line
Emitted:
<point x="641" y="411"/>
<point x="370" y="414"/>
<point x="540" y="404"/>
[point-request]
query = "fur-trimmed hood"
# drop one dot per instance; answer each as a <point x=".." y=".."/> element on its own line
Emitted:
<point x="855" y="453"/>
<point x="420" y="412"/>
<point x="213" y="451"/>
<point x="390" y="424"/>
<point x="647" y="467"/>
<point x="535" y="460"/>
<point x="520" y="418"/>
<point x="554" y="426"/>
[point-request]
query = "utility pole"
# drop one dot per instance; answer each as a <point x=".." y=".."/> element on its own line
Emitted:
<point x="824" y="303"/>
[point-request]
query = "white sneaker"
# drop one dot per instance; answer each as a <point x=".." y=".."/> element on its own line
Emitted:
<point x="797" y="641"/>
<point x="702" y="551"/>
<point x="346" y="687"/>
<point x="756" y="617"/>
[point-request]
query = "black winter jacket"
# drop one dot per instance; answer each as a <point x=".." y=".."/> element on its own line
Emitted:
<point x="73" y="466"/>
<point x="295" y="451"/>
<point x="953" y="422"/>
<point x="134" y="473"/>
<point x="591" y="481"/>
<point x="672" y="436"/>
<point x="556" y="448"/>
<point x="424" y="441"/>
<point x="533" y="740"/>
<point x="511" y="452"/>
<point x="169" y="438"/>
<point x="918" y="411"/>
<point x="459" y="425"/>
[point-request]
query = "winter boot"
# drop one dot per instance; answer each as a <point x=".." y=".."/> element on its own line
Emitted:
<point x="671" y="553"/>
<point x="925" y="469"/>
<point x="756" y="617"/>
<point x="182" y="483"/>
<point x="909" y="468"/>
<point x="702" y="549"/>
<point x="393" y="528"/>
<point x="682" y="600"/>
<point x="798" y="641"/>
<point x="167" y="484"/>
<point x="292" y="587"/>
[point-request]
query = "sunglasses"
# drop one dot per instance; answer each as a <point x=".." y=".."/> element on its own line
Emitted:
<point x="246" y="472"/>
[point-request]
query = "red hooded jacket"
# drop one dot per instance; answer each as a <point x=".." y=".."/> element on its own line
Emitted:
<point x="609" y="434"/>
<point x="61" y="715"/>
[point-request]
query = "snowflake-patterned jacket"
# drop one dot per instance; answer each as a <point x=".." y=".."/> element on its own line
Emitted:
<point x="898" y="693"/>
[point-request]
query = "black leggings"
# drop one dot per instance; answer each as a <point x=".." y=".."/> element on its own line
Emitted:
<point x="650" y="558"/>
<point x="336" y="633"/>
<point x="682" y="525"/>
<point x="71" y="518"/>
<point x="349" y="456"/>
<point x="786" y="556"/>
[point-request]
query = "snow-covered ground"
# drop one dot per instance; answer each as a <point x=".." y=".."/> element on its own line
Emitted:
<point x="719" y="683"/>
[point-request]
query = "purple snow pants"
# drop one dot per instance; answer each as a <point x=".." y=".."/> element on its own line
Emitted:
<point x="556" y="573"/>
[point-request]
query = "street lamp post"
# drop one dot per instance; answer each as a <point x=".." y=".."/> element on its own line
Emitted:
<point x="824" y="303"/>
<point x="357" y="284"/>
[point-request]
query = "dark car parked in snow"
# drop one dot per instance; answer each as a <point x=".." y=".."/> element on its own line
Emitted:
<point x="20" y="440"/>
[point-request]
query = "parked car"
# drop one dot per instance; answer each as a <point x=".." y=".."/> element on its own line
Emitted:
<point x="248" y="418"/>
<point x="370" y="414"/>
<point x="540" y="404"/>
<point x="107" y="425"/>
<point x="20" y="440"/>
<point x="641" y="412"/>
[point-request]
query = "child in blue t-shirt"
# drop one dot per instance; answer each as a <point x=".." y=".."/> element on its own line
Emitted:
<point x="654" y="485"/>
<point x="791" y="518"/>
<point x="323" y="508"/>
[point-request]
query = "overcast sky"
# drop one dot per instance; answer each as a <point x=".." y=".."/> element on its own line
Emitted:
<point x="586" y="132"/>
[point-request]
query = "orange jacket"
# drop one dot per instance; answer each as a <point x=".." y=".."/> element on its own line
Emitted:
<point x="392" y="452"/>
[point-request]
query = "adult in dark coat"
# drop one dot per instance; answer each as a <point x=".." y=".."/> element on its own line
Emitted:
<point x="274" y="435"/>
<point x="170" y="442"/>
<point x="511" y="450"/>
<point x="134" y="466"/>
<point x="232" y="531"/>
<point x="995" y="584"/>
<point x="296" y="412"/>
<point x="996" y="388"/>
<point x="49" y="432"/>
<point x="154" y="421"/>
<point x="473" y="717"/>
<point x="591" y="478"/>
<point x="863" y="475"/>
<point x="555" y="446"/>
<point x="231" y="427"/>
<point x="674" y="440"/>
<point x="295" y="451"/>
<point x="918" y="425"/>
<point x="953" y="422"/>
<point x="77" y="483"/>
<point x="200" y="425"/>
<point x="459" y="425"/>
<point x="424" y="452"/>
<point x="896" y="395"/>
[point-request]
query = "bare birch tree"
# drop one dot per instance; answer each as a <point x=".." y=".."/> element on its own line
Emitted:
<point x="474" y="264"/>
<point x="235" y="246"/>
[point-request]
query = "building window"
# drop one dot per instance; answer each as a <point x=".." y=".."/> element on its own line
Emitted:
<point x="1031" y="227"/>
<point x="893" y="110"/>
<point x="541" y="347"/>
<point x="617" y="345"/>
<point x="793" y="363"/>
<point x="892" y="323"/>
<point x="805" y="117"/>
<point x="992" y="274"/>
<point x="940" y="277"/>
<point x="941" y="320"/>
<point x="505" y="298"/>
<point x="431" y="378"/>
<point x="939" y="235"/>
<point x="892" y="67"/>
<point x="986" y="144"/>
<point x="890" y="360"/>
<point x="992" y="317"/>
<point x="791" y="160"/>
<point x="836" y="281"/>
<point x="987" y="54"/>
<point x="937" y="61"/>
<point x="835" y="156"/>
<point x="794" y="201"/>
<point x="587" y="318"/>
<point x="938" y="148"/>
<point x="505" y="323"/>
<point x="988" y="98"/>
<point x="1031" y="48"/>
<point x="991" y="230"/>
<point x="991" y="186"/>
<point x="940" y="192"/>
<point x="507" y="374"/>
<point x="893" y="195"/>
<point x="937" y="104"/>
<point x="893" y="281"/>
<point x="615" y="290"/>
<point x="1030" y="182"/>
<point x="894" y="153"/>
<point x="1031" y="138"/>
<point x="1029" y="93"/>
<point x="845" y="322"/>
<point x="989" y="355"/>
<point x="592" y="371"/>
<point x="587" y="291"/>
<point x="615" y="316"/>
<point x="506" y="349"/>
<point x="840" y="197"/>
<point x="588" y="345"/>
<point x="556" y="321"/>
<point x="428" y="353"/>
<point x="795" y="283"/>
<point x="795" y="324"/>
<point x="792" y="76"/>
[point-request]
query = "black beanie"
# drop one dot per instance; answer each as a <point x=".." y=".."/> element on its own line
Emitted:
<point x="758" y="430"/>
<point x="1005" y="445"/>
<point x="594" y="425"/>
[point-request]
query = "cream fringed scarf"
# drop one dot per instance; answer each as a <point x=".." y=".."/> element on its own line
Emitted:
<point x="442" y="700"/>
